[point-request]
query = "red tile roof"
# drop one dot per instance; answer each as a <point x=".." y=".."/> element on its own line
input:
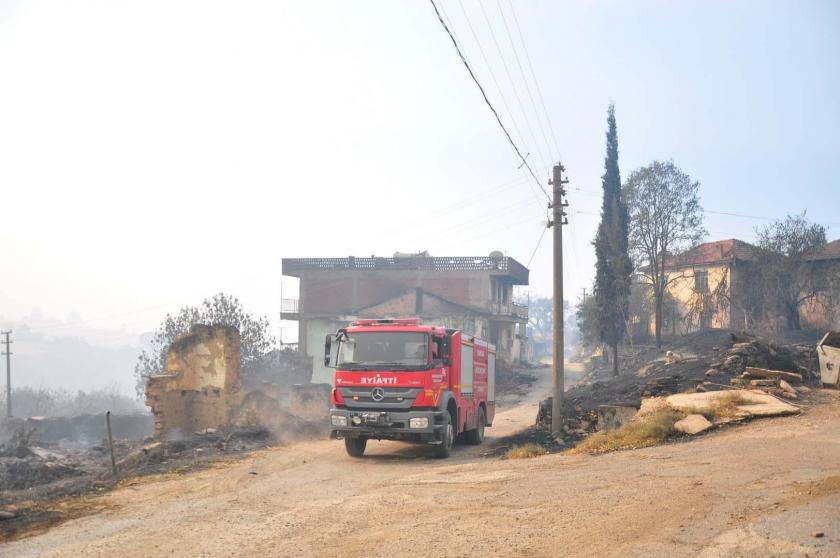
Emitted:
<point x="830" y="251"/>
<point x="713" y="252"/>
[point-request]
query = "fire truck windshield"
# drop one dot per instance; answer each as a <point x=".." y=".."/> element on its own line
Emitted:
<point x="384" y="350"/>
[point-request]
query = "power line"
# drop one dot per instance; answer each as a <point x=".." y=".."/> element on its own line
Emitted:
<point x="522" y="73"/>
<point x="486" y="100"/>
<point x="534" y="76"/>
<point x="492" y="73"/>
<point x="8" y="354"/>
<point x="534" y="253"/>
<point x="538" y="152"/>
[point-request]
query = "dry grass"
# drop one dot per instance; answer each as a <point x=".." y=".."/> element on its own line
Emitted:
<point x="650" y="430"/>
<point x="723" y="408"/>
<point x="525" y="451"/>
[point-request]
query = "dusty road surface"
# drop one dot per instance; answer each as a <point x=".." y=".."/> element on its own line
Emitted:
<point x="762" y="489"/>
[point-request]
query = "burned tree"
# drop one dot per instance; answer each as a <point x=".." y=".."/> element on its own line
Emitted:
<point x="784" y="274"/>
<point x="665" y="217"/>
<point x="612" y="266"/>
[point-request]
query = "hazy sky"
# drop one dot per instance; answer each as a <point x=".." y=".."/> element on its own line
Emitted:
<point x="153" y="153"/>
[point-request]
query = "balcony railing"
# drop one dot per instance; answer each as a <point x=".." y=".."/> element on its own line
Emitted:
<point x="503" y="264"/>
<point x="290" y="306"/>
<point x="510" y="309"/>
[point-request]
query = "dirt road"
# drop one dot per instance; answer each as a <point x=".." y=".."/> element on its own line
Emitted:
<point x="757" y="490"/>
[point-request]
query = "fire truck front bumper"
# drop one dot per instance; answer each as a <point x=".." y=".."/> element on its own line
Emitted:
<point x="418" y="426"/>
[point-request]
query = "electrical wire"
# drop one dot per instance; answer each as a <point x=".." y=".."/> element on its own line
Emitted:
<point x="538" y="151"/>
<point x="522" y="73"/>
<point x="492" y="74"/>
<point x="534" y="77"/>
<point x="534" y="253"/>
<point x="486" y="100"/>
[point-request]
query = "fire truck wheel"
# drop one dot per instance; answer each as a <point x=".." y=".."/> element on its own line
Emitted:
<point x="445" y="448"/>
<point x="476" y="436"/>
<point x="355" y="446"/>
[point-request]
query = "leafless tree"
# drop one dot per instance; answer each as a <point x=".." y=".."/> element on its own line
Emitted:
<point x="783" y="271"/>
<point x="665" y="217"/>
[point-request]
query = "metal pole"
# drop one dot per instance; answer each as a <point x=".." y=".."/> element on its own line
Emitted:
<point x="557" y="300"/>
<point x="8" y="354"/>
<point x="111" y="442"/>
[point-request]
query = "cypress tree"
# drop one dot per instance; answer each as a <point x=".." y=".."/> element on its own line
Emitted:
<point x="613" y="266"/>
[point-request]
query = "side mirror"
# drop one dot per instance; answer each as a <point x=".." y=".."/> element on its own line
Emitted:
<point x="329" y="345"/>
<point x="446" y="352"/>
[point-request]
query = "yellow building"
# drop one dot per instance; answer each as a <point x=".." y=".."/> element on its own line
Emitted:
<point x="709" y="287"/>
<point x="822" y="312"/>
<point x="703" y="287"/>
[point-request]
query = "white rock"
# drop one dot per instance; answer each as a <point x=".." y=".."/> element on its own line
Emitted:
<point x="692" y="424"/>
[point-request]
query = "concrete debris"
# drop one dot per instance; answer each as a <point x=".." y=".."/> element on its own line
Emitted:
<point x="745" y="403"/>
<point x="702" y="364"/>
<point x="651" y="406"/>
<point x="763" y="383"/>
<point x="612" y="417"/>
<point x="785" y="394"/>
<point x="752" y="371"/>
<point x="758" y="353"/>
<point x="693" y="424"/>
<point x="786" y="386"/>
<point x="7" y="515"/>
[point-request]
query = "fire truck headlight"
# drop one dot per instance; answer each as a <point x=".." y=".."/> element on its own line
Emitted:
<point x="357" y="420"/>
<point x="421" y="422"/>
<point x="338" y="420"/>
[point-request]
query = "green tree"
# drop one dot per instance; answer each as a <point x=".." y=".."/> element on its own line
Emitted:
<point x="613" y="267"/>
<point x="222" y="309"/>
<point x="665" y="218"/>
<point x="587" y="322"/>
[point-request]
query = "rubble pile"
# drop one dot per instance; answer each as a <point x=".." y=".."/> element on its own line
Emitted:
<point x="511" y="380"/>
<point x="706" y="362"/>
<point x="663" y="386"/>
<point x="759" y="353"/>
<point x="26" y="464"/>
<point x="775" y="382"/>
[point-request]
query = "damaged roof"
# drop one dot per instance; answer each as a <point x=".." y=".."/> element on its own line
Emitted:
<point x="729" y="251"/>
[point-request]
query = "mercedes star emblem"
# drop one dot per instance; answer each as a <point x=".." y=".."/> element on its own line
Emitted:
<point x="377" y="394"/>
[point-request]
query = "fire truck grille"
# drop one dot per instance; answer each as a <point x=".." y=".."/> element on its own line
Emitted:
<point x="397" y="398"/>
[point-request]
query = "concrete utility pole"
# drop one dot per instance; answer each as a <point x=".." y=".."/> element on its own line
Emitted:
<point x="8" y="354"/>
<point x="558" y="220"/>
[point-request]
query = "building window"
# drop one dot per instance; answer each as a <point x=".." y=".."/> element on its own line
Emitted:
<point x="701" y="281"/>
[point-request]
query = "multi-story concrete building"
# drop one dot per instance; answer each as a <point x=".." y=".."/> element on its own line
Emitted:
<point x="473" y="294"/>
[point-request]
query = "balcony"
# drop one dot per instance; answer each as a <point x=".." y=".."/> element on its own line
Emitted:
<point x="511" y="309"/>
<point x="290" y="309"/>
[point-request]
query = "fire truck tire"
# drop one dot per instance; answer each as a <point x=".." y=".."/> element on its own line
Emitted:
<point x="476" y="436"/>
<point x="445" y="448"/>
<point x="355" y="446"/>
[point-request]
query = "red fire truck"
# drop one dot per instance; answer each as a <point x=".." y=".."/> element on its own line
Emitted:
<point x="401" y="380"/>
